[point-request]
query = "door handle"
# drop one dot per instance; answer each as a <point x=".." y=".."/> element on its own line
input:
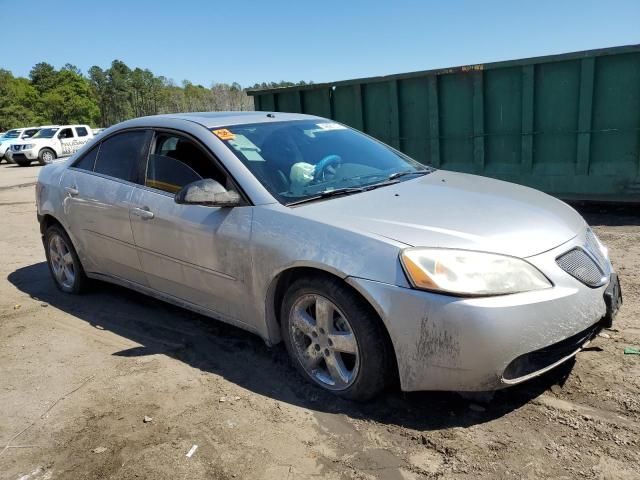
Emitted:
<point x="73" y="191"/>
<point x="144" y="213"/>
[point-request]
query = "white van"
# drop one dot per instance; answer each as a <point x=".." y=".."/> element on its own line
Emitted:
<point x="49" y="144"/>
<point x="15" y="135"/>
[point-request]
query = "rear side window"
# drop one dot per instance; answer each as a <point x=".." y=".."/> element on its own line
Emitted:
<point x="81" y="131"/>
<point x="120" y="155"/>
<point x="88" y="161"/>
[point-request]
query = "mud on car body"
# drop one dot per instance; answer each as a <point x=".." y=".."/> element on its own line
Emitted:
<point x="368" y="265"/>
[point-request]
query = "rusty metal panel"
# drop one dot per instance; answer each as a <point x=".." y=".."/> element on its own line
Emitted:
<point x="566" y="124"/>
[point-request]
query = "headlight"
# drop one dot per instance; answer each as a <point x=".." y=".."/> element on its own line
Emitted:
<point x="462" y="272"/>
<point x="29" y="146"/>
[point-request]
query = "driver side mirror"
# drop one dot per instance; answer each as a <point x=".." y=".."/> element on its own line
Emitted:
<point x="209" y="193"/>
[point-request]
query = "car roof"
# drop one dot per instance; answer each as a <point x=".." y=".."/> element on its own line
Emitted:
<point x="220" y="119"/>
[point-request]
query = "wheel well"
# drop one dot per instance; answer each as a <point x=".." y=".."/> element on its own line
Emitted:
<point x="287" y="277"/>
<point x="46" y="221"/>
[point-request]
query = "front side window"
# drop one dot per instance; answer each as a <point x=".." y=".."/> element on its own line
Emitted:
<point x="306" y="159"/>
<point x="81" y="131"/>
<point x="121" y="154"/>
<point x="177" y="161"/>
<point x="65" y="133"/>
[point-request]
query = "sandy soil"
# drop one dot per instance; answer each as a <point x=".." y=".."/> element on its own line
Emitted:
<point x="81" y="373"/>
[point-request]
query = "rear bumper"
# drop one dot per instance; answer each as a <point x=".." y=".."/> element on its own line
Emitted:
<point x="475" y="344"/>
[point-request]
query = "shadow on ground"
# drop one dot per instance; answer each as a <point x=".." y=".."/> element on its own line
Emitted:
<point x="609" y="214"/>
<point x="244" y="359"/>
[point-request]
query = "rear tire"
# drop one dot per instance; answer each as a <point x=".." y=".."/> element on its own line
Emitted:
<point x="335" y="339"/>
<point x="63" y="261"/>
<point x="45" y="156"/>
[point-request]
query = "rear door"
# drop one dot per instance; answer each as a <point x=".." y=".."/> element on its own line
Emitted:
<point x="82" y="136"/>
<point x="195" y="253"/>
<point x="99" y="188"/>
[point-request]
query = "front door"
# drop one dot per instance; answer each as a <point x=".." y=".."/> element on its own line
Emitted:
<point x="99" y="188"/>
<point x="194" y="253"/>
<point x="66" y="139"/>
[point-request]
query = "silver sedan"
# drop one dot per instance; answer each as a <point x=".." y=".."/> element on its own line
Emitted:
<point x="368" y="265"/>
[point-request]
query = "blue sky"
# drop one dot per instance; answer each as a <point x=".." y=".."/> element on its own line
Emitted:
<point x="248" y="42"/>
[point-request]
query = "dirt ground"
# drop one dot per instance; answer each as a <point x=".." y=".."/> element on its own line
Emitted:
<point x="78" y="375"/>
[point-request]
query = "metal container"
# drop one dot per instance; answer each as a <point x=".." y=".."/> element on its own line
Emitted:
<point x="566" y="124"/>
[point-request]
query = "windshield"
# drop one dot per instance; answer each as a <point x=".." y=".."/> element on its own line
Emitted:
<point x="302" y="159"/>
<point x="46" y="133"/>
<point x="12" y="134"/>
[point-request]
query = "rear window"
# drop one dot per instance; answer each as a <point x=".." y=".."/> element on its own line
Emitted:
<point x="81" y="131"/>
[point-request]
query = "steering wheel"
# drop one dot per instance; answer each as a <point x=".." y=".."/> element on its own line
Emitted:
<point x="325" y="163"/>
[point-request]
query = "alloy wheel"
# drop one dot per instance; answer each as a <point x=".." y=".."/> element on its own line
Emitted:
<point x="324" y="342"/>
<point x="61" y="262"/>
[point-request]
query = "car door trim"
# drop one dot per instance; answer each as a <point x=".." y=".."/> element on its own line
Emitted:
<point x="160" y="255"/>
<point x="174" y="300"/>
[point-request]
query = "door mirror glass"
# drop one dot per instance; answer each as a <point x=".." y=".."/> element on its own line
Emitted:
<point x="208" y="192"/>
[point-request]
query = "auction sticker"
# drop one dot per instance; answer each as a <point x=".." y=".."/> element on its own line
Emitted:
<point x="331" y="126"/>
<point x="223" y="134"/>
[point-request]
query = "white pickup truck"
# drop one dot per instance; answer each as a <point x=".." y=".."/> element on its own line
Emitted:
<point x="13" y="136"/>
<point x="49" y="144"/>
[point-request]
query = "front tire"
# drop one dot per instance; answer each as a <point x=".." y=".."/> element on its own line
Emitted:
<point x="45" y="156"/>
<point x="63" y="261"/>
<point x="334" y="338"/>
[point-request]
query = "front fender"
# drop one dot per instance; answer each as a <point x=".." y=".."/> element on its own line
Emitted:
<point x="282" y="241"/>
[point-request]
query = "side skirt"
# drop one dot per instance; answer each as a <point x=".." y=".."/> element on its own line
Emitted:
<point x="174" y="301"/>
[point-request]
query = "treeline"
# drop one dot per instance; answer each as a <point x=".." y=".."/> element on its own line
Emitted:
<point x="107" y="96"/>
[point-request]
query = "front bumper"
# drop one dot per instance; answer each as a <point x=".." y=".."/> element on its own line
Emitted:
<point x="470" y="344"/>
<point x="13" y="157"/>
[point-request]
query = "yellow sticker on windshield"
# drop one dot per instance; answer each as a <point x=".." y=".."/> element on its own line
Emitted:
<point x="223" y="134"/>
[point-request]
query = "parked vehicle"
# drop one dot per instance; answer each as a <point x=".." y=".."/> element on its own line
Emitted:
<point x="364" y="262"/>
<point x="49" y="144"/>
<point x="97" y="131"/>
<point x="13" y="136"/>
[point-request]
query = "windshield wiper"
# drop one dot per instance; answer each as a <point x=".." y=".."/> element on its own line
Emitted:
<point x="390" y="180"/>
<point x="330" y="193"/>
<point x="393" y="176"/>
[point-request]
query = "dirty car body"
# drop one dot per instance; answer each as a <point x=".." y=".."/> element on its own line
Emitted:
<point x="428" y="251"/>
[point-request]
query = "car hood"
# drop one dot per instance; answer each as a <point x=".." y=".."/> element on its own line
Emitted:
<point x="455" y="210"/>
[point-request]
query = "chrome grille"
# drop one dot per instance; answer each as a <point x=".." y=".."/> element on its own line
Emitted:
<point x="581" y="266"/>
